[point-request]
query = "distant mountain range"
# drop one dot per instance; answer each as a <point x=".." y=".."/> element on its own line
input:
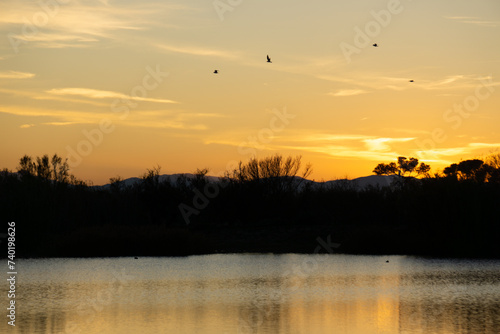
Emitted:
<point x="358" y="183"/>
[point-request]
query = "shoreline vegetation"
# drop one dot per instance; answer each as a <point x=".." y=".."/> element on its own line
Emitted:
<point x="262" y="206"/>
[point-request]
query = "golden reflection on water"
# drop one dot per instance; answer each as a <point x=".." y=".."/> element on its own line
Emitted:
<point x="258" y="294"/>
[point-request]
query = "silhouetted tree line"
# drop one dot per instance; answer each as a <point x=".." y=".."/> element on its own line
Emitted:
<point x="262" y="205"/>
<point x="403" y="167"/>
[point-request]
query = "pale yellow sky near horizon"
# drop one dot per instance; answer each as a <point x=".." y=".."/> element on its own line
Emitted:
<point x="122" y="86"/>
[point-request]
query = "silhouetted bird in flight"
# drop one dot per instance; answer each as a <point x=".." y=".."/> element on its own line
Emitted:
<point x="411" y="81"/>
<point x="216" y="71"/>
<point x="269" y="59"/>
<point x="375" y="45"/>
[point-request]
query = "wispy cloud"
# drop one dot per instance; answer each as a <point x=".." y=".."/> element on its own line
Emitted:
<point x="402" y="83"/>
<point x="197" y="51"/>
<point x="16" y="75"/>
<point x="416" y="132"/>
<point x="355" y="146"/>
<point x="168" y="124"/>
<point x="378" y="149"/>
<point x="366" y="147"/>
<point x="57" y="40"/>
<point x="42" y="96"/>
<point x="346" y="152"/>
<point x="25" y="126"/>
<point x="375" y="81"/>
<point x="348" y="92"/>
<point x="341" y="146"/>
<point x="190" y="116"/>
<point x="328" y="137"/>
<point x="80" y="23"/>
<point x="60" y="98"/>
<point x="474" y="20"/>
<point x="461" y="17"/>
<point x="60" y="123"/>
<point x="169" y="119"/>
<point x="160" y="119"/>
<point x="59" y="115"/>
<point x="382" y="144"/>
<point x="484" y="145"/>
<point x="458" y="81"/>
<point x="103" y="94"/>
<point x="440" y="155"/>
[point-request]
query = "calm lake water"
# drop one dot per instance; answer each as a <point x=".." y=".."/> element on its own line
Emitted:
<point x="248" y="293"/>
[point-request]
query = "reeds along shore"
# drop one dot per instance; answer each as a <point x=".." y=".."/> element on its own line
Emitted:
<point x="262" y="206"/>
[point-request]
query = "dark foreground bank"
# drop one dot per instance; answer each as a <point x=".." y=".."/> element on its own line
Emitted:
<point x="109" y="241"/>
<point x="262" y="206"/>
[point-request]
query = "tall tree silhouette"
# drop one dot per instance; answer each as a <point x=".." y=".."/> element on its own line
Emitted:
<point x="27" y="167"/>
<point x="60" y="169"/>
<point x="45" y="168"/>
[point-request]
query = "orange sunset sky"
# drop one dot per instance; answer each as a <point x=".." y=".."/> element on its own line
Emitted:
<point x="121" y="86"/>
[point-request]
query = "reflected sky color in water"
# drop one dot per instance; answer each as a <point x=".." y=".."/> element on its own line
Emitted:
<point x="258" y="294"/>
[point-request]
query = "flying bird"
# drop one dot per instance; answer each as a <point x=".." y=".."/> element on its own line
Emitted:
<point x="375" y="45"/>
<point x="269" y="59"/>
<point x="412" y="81"/>
<point x="216" y="71"/>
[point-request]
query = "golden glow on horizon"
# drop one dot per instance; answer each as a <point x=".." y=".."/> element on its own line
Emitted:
<point x="148" y="69"/>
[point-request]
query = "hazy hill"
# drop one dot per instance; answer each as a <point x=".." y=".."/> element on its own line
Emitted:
<point x="357" y="183"/>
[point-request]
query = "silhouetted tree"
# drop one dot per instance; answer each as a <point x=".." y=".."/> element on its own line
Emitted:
<point x="60" y="169"/>
<point x="493" y="160"/>
<point x="27" y="166"/>
<point x="407" y="165"/>
<point x="494" y="175"/>
<point x="473" y="170"/>
<point x="115" y="184"/>
<point x="423" y="169"/>
<point x="451" y="171"/>
<point x="486" y="173"/>
<point x="73" y="180"/>
<point x="47" y="169"/>
<point x="277" y="174"/>
<point x="403" y="167"/>
<point x="43" y="167"/>
<point x="151" y="179"/>
<point x="200" y="179"/>
<point x="386" y="169"/>
<point x="469" y="168"/>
